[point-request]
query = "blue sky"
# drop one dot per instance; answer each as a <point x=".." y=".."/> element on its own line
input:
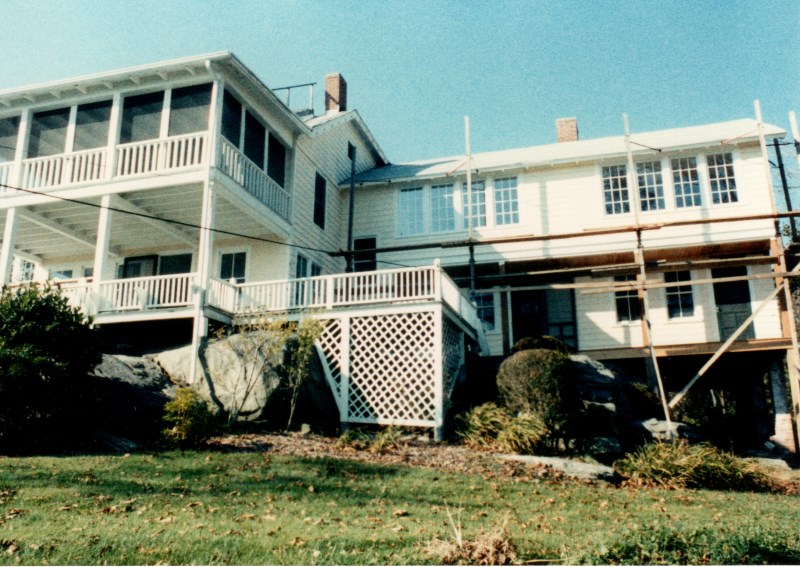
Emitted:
<point x="414" y="69"/>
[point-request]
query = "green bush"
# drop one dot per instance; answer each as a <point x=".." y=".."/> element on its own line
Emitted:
<point x="540" y="383"/>
<point x="680" y="465"/>
<point x="663" y="545"/>
<point x="45" y="347"/>
<point x="494" y="428"/>
<point x="192" y="422"/>
<point x="544" y="342"/>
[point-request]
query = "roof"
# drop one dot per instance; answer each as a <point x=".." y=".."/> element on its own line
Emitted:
<point x="325" y="122"/>
<point x="736" y="131"/>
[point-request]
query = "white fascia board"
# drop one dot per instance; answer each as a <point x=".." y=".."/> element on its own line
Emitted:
<point x="360" y="125"/>
<point x="109" y="77"/>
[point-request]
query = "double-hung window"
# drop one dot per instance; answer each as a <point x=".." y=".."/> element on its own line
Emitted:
<point x="443" y="212"/>
<point x="651" y="186"/>
<point x="478" y="204"/>
<point x="628" y="305"/>
<point x="484" y="301"/>
<point x="506" y="205"/>
<point x="411" y="214"/>
<point x="680" y="301"/>
<point x="686" y="182"/>
<point x="720" y="174"/>
<point x="615" y="190"/>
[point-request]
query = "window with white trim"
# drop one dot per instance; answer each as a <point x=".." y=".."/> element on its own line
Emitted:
<point x="615" y="190"/>
<point x="680" y="300"/>
<point x="410" y="209"/>
<point x="720" y="175"/>
<point x="232" y="266"/>
<point x="443" y="212"/>
<point x="506" y="205"/>
<point x="478" y="204"/>
<point x="651" y="186"/>
<point x="686" y="181"/>
<point x="628" y="305"/>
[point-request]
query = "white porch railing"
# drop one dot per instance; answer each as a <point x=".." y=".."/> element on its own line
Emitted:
<point x="63" y="169"/>
<point x="154" y="156"/>
<point x="253" y="179"/>
<point x="6" y="170"/>
<point x="146" y="293"/>
<point x="76" y="291"/>
<point x="401" y="285"/>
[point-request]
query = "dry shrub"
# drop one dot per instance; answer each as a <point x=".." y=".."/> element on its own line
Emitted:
<point x="497" y="429"/>
<point x="493" y="547"/>
<point x="680" y="465"/>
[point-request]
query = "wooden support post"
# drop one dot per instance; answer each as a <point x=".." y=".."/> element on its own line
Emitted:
<point x="662" y="394"/>
<point x="9" y="243"/>
<point x="788" y="322"/>
<point x="204" y="261"/>
<point x="102" y="246"/>
<point x="344" y="382"/>
<point x="438" y="372"/>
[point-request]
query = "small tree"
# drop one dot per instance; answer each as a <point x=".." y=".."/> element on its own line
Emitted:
<point x="299" y="367"/>
<point x="45" y="345"/>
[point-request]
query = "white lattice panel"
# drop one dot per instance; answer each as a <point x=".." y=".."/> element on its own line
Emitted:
<point x="330" y="343"/>
<point x="453" y="348"/>
<point x="392" y="367"/>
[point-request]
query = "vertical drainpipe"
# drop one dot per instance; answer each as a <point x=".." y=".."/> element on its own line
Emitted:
<point x="351" y="153"/>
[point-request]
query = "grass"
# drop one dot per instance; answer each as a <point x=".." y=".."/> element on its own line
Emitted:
<point x="256" y="508"/>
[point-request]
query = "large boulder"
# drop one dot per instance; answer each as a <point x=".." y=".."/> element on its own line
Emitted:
<point x="250" y="383"/>
<point x="120" y="404"/>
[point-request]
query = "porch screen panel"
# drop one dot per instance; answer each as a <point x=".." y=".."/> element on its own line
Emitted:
<point x="254" y="139"/>
<point x="9" y="127"/>
<point x="189" y="109"/>
<point x="231" y="119"/>
<point x="91" y="125"/>
<point x="48" y="133"/>
<point x="276" y="160"/>
<point x="141" y="117"/>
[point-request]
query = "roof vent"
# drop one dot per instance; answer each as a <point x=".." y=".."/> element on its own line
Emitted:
<point x="567" y="129"/>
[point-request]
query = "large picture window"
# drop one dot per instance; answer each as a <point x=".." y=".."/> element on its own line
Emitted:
<point x="615" y="190"/>
<point x="443" y="213"/>
<point x="680" y="301"/>
<point x="506" y="205"/>
<point x="627" y="301"/>
<point x="651" y="186"/>
<point x="686" y="181"/>
<point x="723" y="183"/>
<point x="410" y="211"/>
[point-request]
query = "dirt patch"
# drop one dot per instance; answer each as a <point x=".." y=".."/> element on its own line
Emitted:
<point x="413" y="452"/>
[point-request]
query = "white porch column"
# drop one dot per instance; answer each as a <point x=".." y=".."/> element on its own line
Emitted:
<point x="103" y="243"/>
<point x="438" y="371"/>
<point x="9" y="243"/>
<point x="204" y="263"/>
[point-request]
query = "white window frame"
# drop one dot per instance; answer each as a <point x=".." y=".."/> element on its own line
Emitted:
<point x="654" y="182"/>
<point x="731" y="195"/>
<point x="247" y="261"/>
<point x="680" y="291"/>
<point x="697" y="169"/>
<point x="619" y="173"/>
<point x="479" y="214"/>
<point x="419" y="225"/>
<point x="503" y="207"/>
<point x="443" y="211"/>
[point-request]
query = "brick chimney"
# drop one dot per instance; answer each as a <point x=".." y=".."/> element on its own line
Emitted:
<point x="335" y="93"/>
<point x="567" y="130"/>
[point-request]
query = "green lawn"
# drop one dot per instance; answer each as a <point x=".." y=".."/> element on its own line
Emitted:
<point x="256" y="508"/>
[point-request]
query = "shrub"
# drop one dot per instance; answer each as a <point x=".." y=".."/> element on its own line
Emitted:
<point x="45" y="346"/>
<point x="491" y="427"/>
<point x="541" y="383"/>
<point x="680" y="465"/>
<point x="662" y="545"/>
<point x="192" y="422"/>
<point x="544" y="342"/>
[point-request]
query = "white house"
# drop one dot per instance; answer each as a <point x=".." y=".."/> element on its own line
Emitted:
<point x="190" y="191"/>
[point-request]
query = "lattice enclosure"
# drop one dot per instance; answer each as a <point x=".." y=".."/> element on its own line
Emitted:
<point x="330" y="343"/>
<point x="393" y="368"/>
<point x="453" y="348"/>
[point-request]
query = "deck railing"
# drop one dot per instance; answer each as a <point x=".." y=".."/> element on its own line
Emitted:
<point x="6" y="170"/>
<point x="146" y="292"/>
<point x="386" y="287"/>
<point x="154" y="156"/>
<point x="255" y="181"/>
<point x="63" y="169"/>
